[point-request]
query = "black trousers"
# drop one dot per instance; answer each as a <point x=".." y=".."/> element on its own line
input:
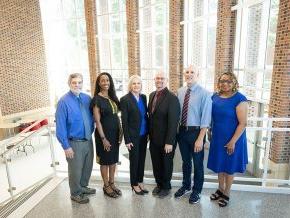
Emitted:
<point x="137" y="156"/>
<point x="162" y="164"/>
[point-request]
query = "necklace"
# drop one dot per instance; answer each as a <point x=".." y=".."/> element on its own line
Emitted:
<point x="105" y="96"/>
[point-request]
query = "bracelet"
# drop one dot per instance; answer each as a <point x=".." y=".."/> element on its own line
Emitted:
<point x="102" y="138"/>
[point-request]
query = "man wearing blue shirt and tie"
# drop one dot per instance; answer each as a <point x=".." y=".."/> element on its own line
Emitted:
<point x="74" y="128"/>
<point x="195" y="103"/>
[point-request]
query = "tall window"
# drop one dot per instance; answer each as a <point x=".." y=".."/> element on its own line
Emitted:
<point x="200" y="18"/>
<point x="112" y="37"/>
<point x="254" y="48"/>
<point x="65" y="43"/>
<point x="253" y="64"/>
<point x="154" y="39"/>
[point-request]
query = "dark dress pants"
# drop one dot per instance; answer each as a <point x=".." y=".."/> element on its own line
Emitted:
<point x="137" y="156"/>
<point x="186" y="140"/>
<point x="162" y="164"/>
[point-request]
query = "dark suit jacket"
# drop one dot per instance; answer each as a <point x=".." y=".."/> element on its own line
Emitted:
<point x="131" y="117"/>
<point x="163" y="122"/>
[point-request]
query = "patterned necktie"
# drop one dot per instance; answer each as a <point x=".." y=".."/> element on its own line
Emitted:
<point x="185" y="108"/>
<point x="157" y="95"/>
<point x="86" y="121"/>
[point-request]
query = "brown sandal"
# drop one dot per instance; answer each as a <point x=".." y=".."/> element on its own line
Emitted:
<point x="115" y="189"/>
<point x="109" y="191"/>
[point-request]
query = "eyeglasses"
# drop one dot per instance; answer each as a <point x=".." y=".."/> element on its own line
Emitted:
<point x="226" y="81"/>
<point x="160" y="78"/>
<point x="189" y="72"/>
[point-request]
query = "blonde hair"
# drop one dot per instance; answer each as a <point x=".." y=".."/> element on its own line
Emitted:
<point x="233" y="78"/>
<point x="131" y="79"/>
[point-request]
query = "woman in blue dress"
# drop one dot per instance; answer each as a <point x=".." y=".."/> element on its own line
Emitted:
<point x="228" y="147"/>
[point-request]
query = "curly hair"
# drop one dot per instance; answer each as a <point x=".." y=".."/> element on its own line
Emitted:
<point x="233" y="78"/>
<point x="111" y="91"/>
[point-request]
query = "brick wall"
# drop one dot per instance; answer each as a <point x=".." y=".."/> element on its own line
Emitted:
<point x="93" y="45"/>
<point x="24" y="81"/>
<point x="280" y="90"/>
<point x="133" y="37"/>
<point x="225" y="37"/>
<point x="175" y="44"/>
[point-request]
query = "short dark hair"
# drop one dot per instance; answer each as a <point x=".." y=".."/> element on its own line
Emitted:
<point x="74" y="75"/>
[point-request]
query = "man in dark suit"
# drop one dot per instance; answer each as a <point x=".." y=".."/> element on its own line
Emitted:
<point x="164" y="114"/>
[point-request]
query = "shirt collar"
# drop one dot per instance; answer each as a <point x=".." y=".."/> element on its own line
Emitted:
<point x="161" y="91"/>
<point x="74" y="96"/>
<point x="193" y="86"/>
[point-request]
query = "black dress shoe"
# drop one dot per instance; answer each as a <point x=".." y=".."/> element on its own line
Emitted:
<point x="156" y="190"/>
<point x="137" y="192"/>
<point x="145" y="191"/>
<point x="81" y="199"/>
<point x="163" y="193"/>
<point x="89" y="191"/>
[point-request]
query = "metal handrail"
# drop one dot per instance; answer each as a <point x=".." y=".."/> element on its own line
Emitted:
<point x="20" y="135"/>
<point x="6" y="159"/>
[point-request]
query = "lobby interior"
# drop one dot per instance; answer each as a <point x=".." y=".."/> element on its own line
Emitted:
<point x="43" y="41"/>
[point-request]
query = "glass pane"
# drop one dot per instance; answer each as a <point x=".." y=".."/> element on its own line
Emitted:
<point x="69" y="8"/>
<point x="82" y="28"/>
<point x="102" y="7"/>
<point x="253" y="36"/>
<point x="114" y="6"/>
<point x="115" y="23"/>
<point x="71" y="28"/>
<point x="103" y="24"/>
<point x="105" y="53"/>
<point x="80" y="8"/>
<point x="50" y="9"/>
<point x="124" y="23"/>
<point x="122" y="5"/>
<point x="146" y="17"/>
<point x="198" y="8"/>
<point x="146" y="52"/>
<point x="125" y="54"/>
<point x="147" y="81"/>
<point x="211" y="42"/>
<point x="212" y="6"/>
<point x="272" y="32"/>
<point x="159" y="17"/>
<point x="116" y="54"/>
<point x="197" y="43"/>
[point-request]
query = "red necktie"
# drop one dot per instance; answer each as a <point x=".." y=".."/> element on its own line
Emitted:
<point x="157" y="95"/>
<point x="185" y="108"/>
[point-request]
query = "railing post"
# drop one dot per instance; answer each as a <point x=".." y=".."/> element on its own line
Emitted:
<point x="267" y="150"/>
<point x="11" y="188"/>
<point x="53" y="164"/>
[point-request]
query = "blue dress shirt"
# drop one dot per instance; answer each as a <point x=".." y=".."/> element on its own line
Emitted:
<point x="69" y="121"/>
<point x="199" y="105"/>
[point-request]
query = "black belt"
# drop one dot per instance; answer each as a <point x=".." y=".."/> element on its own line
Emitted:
<point x="78" y="140"/>
<point x="189" y="128"/>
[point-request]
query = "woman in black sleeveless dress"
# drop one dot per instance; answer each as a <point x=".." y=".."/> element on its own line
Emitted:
<point x="105" y="105"/>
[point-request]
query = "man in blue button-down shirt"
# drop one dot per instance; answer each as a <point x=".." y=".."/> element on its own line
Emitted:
<point x="74" y="128"/>
<point x="195" y="103"/>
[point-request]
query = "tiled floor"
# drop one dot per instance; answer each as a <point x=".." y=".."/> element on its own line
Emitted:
<point x="242" y="204"/>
